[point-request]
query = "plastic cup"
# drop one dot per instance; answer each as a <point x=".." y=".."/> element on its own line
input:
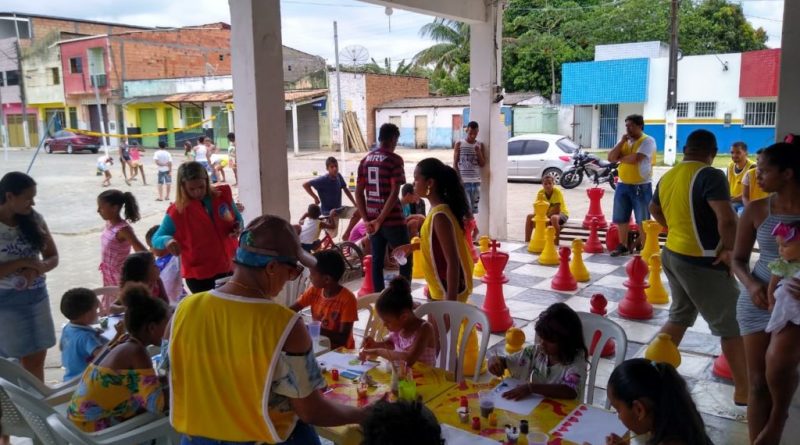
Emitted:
<point x="537" y="438"/>
<point x="400" y="257"/>
<point x="314" y="329"/>
<point x="486" y="401"/>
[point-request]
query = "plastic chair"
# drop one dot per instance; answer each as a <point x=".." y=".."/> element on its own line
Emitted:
<point x="451" y="356"/>
<point x="608" y="330"/>
<point x="374" y="327"/>
<point x="12" y="421"/>
<point x="36" y="413"/>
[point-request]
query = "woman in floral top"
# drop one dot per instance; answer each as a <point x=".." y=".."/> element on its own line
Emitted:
<point x="122" y="383"/>
<point x="556" y="365"/>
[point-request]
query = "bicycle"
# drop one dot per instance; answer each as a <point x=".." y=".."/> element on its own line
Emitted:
<point x="351" y="252"/>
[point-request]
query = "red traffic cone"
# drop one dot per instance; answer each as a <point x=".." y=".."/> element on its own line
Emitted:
<point x="563" y="279"/>
<point x="366" y="285"/>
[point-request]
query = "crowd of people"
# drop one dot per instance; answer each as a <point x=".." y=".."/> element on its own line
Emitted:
<point x="234" y="271"/>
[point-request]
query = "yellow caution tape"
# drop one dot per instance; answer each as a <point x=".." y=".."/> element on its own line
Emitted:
<point x="157" y="133"/>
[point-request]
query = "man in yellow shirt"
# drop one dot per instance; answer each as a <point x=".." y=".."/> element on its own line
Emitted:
<point x="737" y="169"/>
<point x="557" y="213"/>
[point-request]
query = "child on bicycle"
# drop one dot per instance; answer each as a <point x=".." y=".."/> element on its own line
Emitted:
<point x="310" y="226"/>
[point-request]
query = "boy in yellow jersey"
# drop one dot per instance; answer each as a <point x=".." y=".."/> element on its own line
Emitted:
<point x="635" y="153"/>
<point x="693" y="201"/>
<point x="737" y="169"/>
<point x="557" y="213"/>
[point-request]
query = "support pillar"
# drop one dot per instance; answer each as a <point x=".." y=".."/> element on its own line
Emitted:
<point x="789" y="88"/>
<point x="295" y="137"/>
<point x="258" y="95"/>
<point x="486" y="57"/>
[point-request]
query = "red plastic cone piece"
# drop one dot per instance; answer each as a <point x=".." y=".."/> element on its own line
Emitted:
<point x="563" y="280"/>
<point x="722" y="369"/>
<point x="612" y="237"/>
<point x="598" y="306"/>
<point x="595" y="210"/>
<point x="634" y="304"/>
<point x="366" y="285"/>
<point x="593" y="244"/>
<point x="494" y="305"/>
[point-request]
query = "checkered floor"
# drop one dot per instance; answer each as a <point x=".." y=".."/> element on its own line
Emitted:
<point x="528" y="293"/>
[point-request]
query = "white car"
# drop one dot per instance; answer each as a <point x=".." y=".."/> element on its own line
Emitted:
<point x="534" y="156"/>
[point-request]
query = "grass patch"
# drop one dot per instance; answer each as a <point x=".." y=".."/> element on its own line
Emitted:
<point x="721" y="161"/>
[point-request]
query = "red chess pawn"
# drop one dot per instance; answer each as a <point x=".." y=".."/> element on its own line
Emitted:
<point x="634" y="304"/>
<point x="366" y="285"/>
<point x="593" y="244"/>
<point x="563" y="279"/>
<point x="595" y="210"/>
<point x="599" y="302"/>
<point x="494" y="305"/>
<point x="612" y="238"/>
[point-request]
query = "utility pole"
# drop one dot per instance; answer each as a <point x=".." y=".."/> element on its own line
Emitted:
<point x="93" y="76"/>
<point x="26" y="136"/>
<point x="3" y="129"/>
<point x="671" y="115"/>
<point x="340" y="123"/>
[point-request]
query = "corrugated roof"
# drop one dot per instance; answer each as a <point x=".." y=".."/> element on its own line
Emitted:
<point x="298" y="95"/>
<point x="451" y="101"/>
<point x="144" y="100"/>
<point x="216" y="96"/>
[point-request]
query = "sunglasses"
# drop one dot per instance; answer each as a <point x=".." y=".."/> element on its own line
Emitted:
<point x="295" y="269"/>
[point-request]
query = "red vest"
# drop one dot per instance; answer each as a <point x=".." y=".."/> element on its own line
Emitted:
<point x="207" y="249"/>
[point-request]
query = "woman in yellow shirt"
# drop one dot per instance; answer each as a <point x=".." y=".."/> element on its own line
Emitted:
<point x="557" y="213"/>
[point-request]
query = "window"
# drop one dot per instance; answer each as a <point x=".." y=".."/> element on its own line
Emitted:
<point x="705" y="109"/>
<point x="12" y="78"/>
<point x="75" y="65"/>
<point x="515" y="148"/>
<point x="73" y="117"/>
<point x="759" y="114"/>
<point x="192" y="115"/>
<point x="567" y="145"/>
<point x="55" y="76"/>
<point x="683" y="109"/>
<point x="535" y="147"/>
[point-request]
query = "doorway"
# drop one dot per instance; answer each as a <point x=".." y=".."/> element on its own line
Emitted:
<point x="457" y="129"/>
<point x="149" y="124"/>
<point x="608" y="125"/>
<point x="582" y="126"/>
<point x="421" y="131"/>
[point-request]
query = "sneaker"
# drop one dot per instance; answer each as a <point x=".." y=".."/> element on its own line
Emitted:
<point x="621" y="250"/>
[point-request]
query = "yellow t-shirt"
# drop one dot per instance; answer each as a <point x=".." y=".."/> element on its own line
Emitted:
<point x="434" y="271"/>
<point x="756" y="192"/>
<point x="555" y="198"/>
<point x="639" y="172"/>
<point x="735" y="179"/>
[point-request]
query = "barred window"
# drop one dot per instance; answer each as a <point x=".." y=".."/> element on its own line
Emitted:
<point x="683" y="109"/>
<point x="759" y="114"/>
<point x="705" y="109"/>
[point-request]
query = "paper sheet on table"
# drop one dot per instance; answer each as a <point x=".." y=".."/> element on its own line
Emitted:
<point x="344" y="362"/>
<point x="524" y="406"/>
<point x="110" y="331"/>
<point x="456" y="436"/>
<point x="587" y="424"/>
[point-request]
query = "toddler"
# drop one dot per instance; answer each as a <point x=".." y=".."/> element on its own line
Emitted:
<point x="310" y="227"/>
<point x="80" y="342"/>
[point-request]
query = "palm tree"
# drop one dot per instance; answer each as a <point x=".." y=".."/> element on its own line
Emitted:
<point x="452" y="48"/>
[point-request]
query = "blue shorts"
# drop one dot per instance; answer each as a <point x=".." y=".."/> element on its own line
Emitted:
<point x="26" y="325"/>
<point x="164" y="178"/>
<point x="473" y="191"/>
<point x="632" y="198"/>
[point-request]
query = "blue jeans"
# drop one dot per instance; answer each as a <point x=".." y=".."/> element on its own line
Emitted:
<point x="303" y="434"/>
<point x="473" y="192"/>
<point x="393" y="236"/>
<point x="632" y="198"/>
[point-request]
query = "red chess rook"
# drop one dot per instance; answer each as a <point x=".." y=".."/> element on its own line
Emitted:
<point x="595" y="210"/>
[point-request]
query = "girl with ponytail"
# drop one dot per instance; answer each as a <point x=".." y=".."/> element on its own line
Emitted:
<point x="118" y="237"/>
<point x="651" y="398"/>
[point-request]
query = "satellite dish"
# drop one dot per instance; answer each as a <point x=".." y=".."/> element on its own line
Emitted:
<point x="388" y="10"/>
<point x="354" y="55"/>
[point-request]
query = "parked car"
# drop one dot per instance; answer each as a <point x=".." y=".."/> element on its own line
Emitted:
<point x="534" y="156"/>
<point x="71" y="142"/>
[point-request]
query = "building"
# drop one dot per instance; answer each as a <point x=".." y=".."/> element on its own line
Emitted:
<point x="733" y="95"/>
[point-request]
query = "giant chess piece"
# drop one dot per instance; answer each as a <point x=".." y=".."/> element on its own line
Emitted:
<point x="634" y="304"/>
<point x="656" y="293"/>
<point x="563" y="279"/>
<point x="549" y="256"/>
<point x="418" y="261"/>
<point x="651" y="230"/>
<point x="479" y="271"/>
<point x="663" y="350"/>
<point x="537" y="242"/>
<point x="593" y="244"/>
<point x="612" y="237"/>
<point x="494" y="305"/>
<point x="577" y="266"/>
<point x="598" y="304"/>
<point x="595" y="194"/>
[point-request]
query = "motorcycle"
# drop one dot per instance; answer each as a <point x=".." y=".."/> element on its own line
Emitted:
<point x="597" y="170"/>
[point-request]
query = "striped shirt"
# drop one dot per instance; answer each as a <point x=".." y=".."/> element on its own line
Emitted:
<point x="378" y="171"/>
<point x="468" y="166"/>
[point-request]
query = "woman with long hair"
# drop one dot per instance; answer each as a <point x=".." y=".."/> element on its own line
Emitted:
<point x="27" y="253"/>
<point x="201" y="226"/>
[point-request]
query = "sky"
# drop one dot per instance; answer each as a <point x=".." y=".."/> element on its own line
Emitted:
<point x="308" y="24"/>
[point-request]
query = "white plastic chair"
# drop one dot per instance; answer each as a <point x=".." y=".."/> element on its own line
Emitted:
<point x="140" y="429"/>
<point x="374" y="327"/>
<point x="451" y="356"/>
<point x="608" y="330"/>
<point x="12" y="421"/>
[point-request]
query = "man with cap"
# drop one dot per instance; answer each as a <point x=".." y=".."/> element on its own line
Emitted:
<point x="242" y="366"/>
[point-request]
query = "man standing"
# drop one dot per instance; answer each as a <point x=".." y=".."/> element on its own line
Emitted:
<point x="380" y="175"/>
<point x="163" y="161"/>
<point x="692" y="200"/>
<point x="468" y="158"/>
<point x="329" y="197"/>
<point x="636" y="154"/>
<point x="737" y="169"/>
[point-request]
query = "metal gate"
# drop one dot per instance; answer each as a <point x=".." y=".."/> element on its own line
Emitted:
<point x="608" y="125"/>
<point x="582" y="126"/>
<point x="457" y="129"/>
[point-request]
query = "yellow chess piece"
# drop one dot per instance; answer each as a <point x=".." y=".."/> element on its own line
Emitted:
<point x="577" y="266"/>
<point x="483" y="244"/>
<point x="663" y="350"/>
<point x="540" y="223"/>
<point x="656" y="293"/>
<point x="549" y="256"/>
<point x="471" y="352"/>
<point x="515" y="339"/>
<point x="651" y="230"/>
<point x="418" y="266"/>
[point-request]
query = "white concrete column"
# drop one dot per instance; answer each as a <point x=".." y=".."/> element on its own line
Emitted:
<point x="789" y="89"/>
<point x="485" y="60"/>
<point x="295" y="137"/>
<point x="258" y="97"/>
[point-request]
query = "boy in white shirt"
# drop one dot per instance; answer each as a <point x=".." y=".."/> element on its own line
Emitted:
<point x="163" y="161"/>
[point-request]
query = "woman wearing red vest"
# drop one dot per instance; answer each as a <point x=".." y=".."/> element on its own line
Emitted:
<point x="201" y="226"/>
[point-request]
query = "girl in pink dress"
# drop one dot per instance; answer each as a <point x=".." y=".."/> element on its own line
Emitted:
<point x="118" y="237"/>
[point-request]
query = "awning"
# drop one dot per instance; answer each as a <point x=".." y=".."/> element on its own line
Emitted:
<point x="144" y="100"/>
<point x="217" y="96"/>
<point x="305" y="96"/>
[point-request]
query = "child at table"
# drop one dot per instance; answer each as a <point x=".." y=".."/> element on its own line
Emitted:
<point x="169" y="267"/>
<point x="332" y="304"/>
<point x="140" y="267"/>
<point x="80" y="342"/>
<point x="410" y="337"/>
<point x="651" y="398"/>
<point x="401" y="422"/>
<point x="555" y="366"/>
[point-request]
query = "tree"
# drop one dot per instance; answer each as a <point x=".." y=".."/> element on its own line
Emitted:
<point x="449" y="56"/>
<point x="403" y="68"/>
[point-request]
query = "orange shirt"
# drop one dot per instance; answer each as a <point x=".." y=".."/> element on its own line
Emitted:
<point x="331" y="312"/>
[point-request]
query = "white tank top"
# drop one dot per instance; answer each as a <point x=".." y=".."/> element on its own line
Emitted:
<point x="468" y="166"/>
